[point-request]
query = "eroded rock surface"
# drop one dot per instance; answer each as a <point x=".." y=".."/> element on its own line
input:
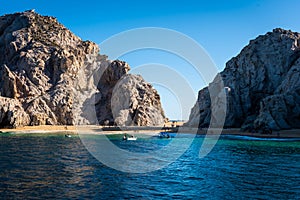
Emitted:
<point x="50" y="74"/>
<point x="135" y="102"/>
<point x="12" y="114"/>
<point x="262" y="85"/>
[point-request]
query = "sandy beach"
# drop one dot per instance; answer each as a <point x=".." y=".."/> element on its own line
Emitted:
<point x="90" y="129"/>
<point x="93" y="129"/>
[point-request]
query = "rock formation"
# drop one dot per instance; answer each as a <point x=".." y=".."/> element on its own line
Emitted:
<point x="127" y="99"/>
<point x="262" y="85"/>
<point x="134" y="101"/>
<point x="46" y="71"/>
<point x="12" y="113"/>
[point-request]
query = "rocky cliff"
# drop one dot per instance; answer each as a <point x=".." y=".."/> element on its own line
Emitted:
<point x="262" y="85"/>
<point x="47" y="74"/>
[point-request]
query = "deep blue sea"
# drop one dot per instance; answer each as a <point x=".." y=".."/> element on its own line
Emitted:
<point x="52" y="166"/>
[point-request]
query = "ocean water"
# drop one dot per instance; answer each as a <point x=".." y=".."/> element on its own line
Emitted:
<point x="37" y="166"/>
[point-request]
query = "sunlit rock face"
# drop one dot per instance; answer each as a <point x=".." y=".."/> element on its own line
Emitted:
<point x="51" y="77"/>
<point x="262" y="85"/>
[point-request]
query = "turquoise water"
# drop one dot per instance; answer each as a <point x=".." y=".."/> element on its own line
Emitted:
<point x="38" y="167"/>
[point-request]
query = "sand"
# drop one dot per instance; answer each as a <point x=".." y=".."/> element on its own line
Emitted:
<point x="90" y="129"/>
<point x="40" y="129"/>
<point x="293" y="133"/>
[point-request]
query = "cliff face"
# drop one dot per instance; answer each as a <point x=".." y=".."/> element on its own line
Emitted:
<point x="138" y="105"/>
<point x="262" y="84"/>
<point x="45" y="69"/>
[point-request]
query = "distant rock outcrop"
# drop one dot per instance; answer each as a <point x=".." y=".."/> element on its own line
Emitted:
<point x="134" y="101"/>
<point x="46" y="71"/>
<point x="127" y="99"/>
<point x="262" y="84"/>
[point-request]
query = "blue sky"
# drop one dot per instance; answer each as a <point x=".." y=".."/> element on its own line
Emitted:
<point x="223" y="28"/>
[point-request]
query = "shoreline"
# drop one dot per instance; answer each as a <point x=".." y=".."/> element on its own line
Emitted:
<point x="93" y="129"/>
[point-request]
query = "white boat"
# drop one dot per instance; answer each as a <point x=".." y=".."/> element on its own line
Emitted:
<point x="129" y="137"/>
<point x="132" y="138"/>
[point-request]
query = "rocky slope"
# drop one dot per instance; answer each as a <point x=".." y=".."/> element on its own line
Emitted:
<point x="48" y="75"/>
<point x="134" y="102"/>
<point x="262" y="85"/>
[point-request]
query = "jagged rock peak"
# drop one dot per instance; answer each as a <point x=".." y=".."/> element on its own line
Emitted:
<point x="264" y="85"/>
<point x="39" y="60"/>
<point x="48" y="71"/>
<point x="283" y="31"/>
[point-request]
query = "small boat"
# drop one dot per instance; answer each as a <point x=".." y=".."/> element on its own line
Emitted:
<point x="68" y="135"/>
<point x="131" y="137"/>
<point x="164" y="135"/>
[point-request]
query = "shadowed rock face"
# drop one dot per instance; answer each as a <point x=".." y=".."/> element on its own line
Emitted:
<point x="46" y="71"/>
<point x="262" y="83"/>
<point x="12" y="113"/>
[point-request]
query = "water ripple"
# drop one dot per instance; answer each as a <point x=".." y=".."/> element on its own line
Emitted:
<point x="39" y="167"/>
